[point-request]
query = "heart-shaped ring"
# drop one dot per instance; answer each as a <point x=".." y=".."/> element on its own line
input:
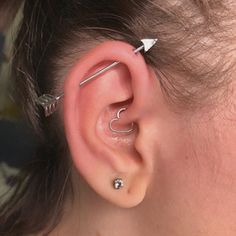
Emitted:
<point x="117" y="119"/>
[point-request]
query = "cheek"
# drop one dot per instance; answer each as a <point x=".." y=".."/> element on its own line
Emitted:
<point x="200" y="152"/>
<point x="195" y="171"/>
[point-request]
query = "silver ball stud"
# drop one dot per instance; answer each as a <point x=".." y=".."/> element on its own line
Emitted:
<point x="118" y="183"/>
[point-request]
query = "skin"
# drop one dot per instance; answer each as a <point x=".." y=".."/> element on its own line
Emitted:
<point x="179" y="169"/>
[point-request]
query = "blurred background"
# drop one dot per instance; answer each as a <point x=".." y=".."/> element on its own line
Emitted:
<point x="17" y="142"/>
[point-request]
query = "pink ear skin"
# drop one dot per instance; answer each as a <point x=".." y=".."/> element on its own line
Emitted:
<point x="97" y="156"/>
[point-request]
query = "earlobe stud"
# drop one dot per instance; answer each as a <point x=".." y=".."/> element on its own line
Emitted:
<point x="117" y="119"/>
<point x="118" y="183"/>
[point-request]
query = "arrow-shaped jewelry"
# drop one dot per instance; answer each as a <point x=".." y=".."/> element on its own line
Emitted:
<point x="49" y="102"/>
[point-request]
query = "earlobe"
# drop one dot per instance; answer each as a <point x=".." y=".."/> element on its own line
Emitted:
<point x="117" y="101"/>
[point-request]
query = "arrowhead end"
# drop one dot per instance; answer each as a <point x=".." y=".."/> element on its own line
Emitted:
<point x="148" y="43"/>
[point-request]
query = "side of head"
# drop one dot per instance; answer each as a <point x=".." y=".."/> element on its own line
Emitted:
<point x="180" y="96"/>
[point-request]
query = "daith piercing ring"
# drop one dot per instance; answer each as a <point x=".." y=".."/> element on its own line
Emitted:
<point x="117" y="119"/>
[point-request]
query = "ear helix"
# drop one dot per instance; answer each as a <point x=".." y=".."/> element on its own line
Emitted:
<point x="50" y="102"/>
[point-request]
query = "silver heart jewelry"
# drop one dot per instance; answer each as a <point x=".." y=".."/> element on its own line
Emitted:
<point x="117" y="119"/>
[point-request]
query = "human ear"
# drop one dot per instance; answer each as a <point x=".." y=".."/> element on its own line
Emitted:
<point x="99" y="154"/>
